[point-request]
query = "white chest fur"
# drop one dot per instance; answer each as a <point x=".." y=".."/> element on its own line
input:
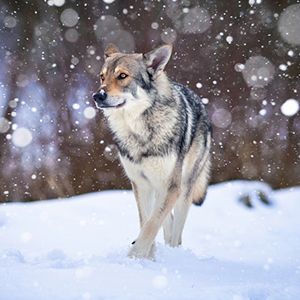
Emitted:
<point x="155" y="170"/>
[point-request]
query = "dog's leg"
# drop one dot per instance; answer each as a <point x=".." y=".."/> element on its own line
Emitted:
<point x="194" y="186"/>
<point x="180" y="214"/>
<point x="168" y="227"/>
<point x="144" y="197"/>
<point x="165" y="200"/>
<point x="191" y="192"/>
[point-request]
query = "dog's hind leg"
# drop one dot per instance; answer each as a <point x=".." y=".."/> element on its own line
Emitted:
<point x="190" y="194"/>
<point x="193" y="190"/>
<point x="180" y="214"/>
<point x="168" y="227"/>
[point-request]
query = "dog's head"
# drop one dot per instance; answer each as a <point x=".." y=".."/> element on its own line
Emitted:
<point x="127" y="79"/>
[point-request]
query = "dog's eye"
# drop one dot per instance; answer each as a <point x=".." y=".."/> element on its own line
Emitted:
<point x="122" y="76"/>
<point x="102" y="77"/>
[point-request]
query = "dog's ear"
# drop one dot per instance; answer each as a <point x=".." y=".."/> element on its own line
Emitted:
<point x="110" y="49"/>
<point x="157" y="59"/>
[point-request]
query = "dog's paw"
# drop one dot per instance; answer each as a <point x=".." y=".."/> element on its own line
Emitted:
<point x="142" y="253"/>
<point x="168" y="239"/>
<point x="175" y="243"/>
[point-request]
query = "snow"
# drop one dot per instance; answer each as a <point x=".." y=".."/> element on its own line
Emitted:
<point x="22" y="137"/>
<point x="283" y="67"/>
<point x="10" y="22"/>
<point x="71" y="35"/>
<point x="239" y="67"/>
<point x="154" y="25"/>
<point x="109" y="29"/>
<point x="290" y="107"/>
<point x="108" y="1"/>
<point x="221" y="118"/>
<point x="168" y="36"/>
<point x="288" y="24"/>
<point x="76" y="249"/>
<point x="205" y="100"/>
<point x="74" y="60"/>
<point x="229" y="39"/>
<point x="199" y="85"/>
<point x="262" y="112"/>
<point x="69" y="17"/>
<point x="195" y="20"/>
<point x="89" y="112"/>
<point x="258" y="71"/>
<point x="56" y="2"/>
<point x="76" y="106"/>
<point x="258" y="93"/>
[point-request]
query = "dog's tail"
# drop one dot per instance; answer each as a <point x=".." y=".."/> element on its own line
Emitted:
<point x="200" y="187"/>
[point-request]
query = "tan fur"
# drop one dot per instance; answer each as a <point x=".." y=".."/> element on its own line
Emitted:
<point x="109" y="76"/>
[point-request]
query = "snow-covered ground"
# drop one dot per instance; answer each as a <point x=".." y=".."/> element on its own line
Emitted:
<point x="76" y="249"/>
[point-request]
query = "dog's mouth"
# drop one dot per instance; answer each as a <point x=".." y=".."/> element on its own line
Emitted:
<point x="104" y="105"/>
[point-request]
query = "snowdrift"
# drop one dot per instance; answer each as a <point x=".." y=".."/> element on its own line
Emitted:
<point x="76" y="249"/>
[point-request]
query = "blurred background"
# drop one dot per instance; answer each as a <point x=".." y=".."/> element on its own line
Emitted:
<point x="241" y="57"/>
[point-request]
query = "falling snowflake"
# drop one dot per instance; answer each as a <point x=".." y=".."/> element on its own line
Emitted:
<point x="89" y="112"/>
<point x="76" y="106"/>
<point x="69" y="17"/>
<point x="258" y="71"/>
<point x="229" y="39"/>
<point x="290" y="107"/>
<point x="22" y="137"/>
<point x="288" y="25"/>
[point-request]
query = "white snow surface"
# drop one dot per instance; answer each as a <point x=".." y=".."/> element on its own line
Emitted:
<point x="76" y="249"/>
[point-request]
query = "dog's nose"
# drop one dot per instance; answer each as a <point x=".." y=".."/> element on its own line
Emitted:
<point x="100" y="96"/>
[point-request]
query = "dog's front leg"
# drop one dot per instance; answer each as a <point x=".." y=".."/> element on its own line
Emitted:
<point x="144" y="197"/>
<point x="166" y="198"/>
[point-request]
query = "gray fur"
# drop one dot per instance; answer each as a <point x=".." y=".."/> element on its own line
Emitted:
<point x="156" y="142"/>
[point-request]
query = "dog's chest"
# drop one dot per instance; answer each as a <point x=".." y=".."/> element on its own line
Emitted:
<point x="133" y="141"/>
<point x="153" y="170"/>
<point x="144" y="136"/>
<point x="123" y="124"/>
<point x="136" y="138"/>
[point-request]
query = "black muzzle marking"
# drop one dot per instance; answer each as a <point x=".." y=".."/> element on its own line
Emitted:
<point x="100" y="97"/>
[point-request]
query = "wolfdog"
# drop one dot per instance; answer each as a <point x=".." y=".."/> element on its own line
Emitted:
<point x="163" y="135"/>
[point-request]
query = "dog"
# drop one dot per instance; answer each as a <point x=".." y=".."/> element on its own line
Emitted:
<point x="163" y="135"/>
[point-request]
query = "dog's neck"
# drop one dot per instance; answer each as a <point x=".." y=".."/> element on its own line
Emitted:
<point x="162" y="86"/>
<point x="148" y="122"/>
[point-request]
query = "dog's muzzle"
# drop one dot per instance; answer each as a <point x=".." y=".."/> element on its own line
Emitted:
<point x="102" y="101"/>
<point x="100" y="97"/>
